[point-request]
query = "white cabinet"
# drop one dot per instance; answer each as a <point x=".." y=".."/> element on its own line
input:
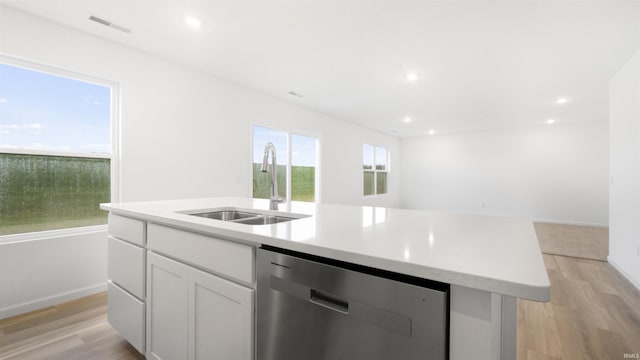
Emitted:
<point x="221" y="257"/>
<point x="177" y="295"/>
<point x="127" y="229"/>
<point x="126" y="274"/>
<point x="220" y="318"/>
<point x="126" y="266"/>
<point x="167" y="291"/>
<point x="195" y="315"/>
<point x="126" y="314"/>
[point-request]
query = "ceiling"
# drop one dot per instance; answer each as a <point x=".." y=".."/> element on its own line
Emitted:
<point x="480" y="64"/>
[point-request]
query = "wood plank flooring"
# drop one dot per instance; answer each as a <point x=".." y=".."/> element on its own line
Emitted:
<point x="74" y="330"/>
<point x="594" y="313"/>
<point x="588" y="242"/>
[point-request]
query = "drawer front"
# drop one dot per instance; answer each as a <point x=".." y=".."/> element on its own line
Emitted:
<point x="127" y="229"/>
<point x="126" y="266"/>
<point x="127" y="315"/>
<point x="226" y="258"/>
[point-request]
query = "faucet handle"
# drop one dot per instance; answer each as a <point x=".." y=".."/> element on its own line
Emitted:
<point x="275" y="200"/>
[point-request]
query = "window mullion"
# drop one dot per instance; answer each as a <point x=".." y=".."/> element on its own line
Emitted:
<point x="375" y="171"/>
<point x="288" y="177"/>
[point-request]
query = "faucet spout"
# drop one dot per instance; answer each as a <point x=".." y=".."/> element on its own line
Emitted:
<point x="274" y="198"/>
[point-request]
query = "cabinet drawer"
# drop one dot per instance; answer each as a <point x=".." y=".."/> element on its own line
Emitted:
<point x="127" y="315"/>
<point x="127" y="229"/>
<point x="126" y="266"/>
<point x="222" y="257"/>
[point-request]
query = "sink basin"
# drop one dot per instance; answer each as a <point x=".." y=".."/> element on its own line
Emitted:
<point x="226" y="215"/>
<point x="264" y="220"/>
<point x="244" y="216"/>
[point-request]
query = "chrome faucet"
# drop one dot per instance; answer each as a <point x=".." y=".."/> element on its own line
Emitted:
<point x="273" y="194"/>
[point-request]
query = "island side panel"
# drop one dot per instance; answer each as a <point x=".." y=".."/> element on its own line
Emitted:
<point x="509" y="328"/>
<point x="483" y="325"/>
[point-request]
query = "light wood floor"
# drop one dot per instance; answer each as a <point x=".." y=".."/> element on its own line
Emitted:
<point x="74" y="330"/>
<point x="594" y="313"/>
<point x="588" y="242"/>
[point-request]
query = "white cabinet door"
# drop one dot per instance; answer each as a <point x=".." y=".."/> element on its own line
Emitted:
<point x="167" y="289"/>
<point x="220" y="318"/>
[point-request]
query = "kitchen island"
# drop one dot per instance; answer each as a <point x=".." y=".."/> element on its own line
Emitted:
<point x="488" y="261"/>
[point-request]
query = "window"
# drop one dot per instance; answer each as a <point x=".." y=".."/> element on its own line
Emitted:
<point x="55" y="149"/>
<point x="296" y="159"/>
<point x="375" y="166"/>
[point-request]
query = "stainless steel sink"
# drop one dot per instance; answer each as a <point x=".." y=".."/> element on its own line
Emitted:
<point x="242" y="216"/>
<point x="264" y="220"/>
<point x="226" y="215"/>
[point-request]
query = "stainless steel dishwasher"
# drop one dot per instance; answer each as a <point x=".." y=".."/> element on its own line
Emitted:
<point x="311" y="308"/>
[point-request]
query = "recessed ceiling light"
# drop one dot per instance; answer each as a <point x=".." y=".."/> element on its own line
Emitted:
<point x="411" y="77"/>
<point x="193" y="22"/>
<point x="550" y="121"/>
<point x="407" y="120"/>
<point x="431" y="132"/>
<point x="562" y="101"/>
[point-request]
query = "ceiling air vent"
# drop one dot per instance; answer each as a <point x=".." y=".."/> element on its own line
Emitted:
<point x="109" y="24"/>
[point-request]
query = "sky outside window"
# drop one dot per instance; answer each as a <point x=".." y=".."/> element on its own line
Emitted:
<point x="381" y="158"/>
<point x="303" y="149"/>
<point x="263" y="136"/>
<point x="367" y="158"/>
<point x="52" y="113"/>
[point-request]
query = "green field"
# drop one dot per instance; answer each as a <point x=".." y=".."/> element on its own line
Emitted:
<point x="302" y="182"/>
<point x="40" y="193"/>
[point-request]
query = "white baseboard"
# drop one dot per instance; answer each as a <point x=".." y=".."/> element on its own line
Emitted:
<point x="51" y="300"/>
<point x="623" y="273"/>
<point x="570" y="222"/>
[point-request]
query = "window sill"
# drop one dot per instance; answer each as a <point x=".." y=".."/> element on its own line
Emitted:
<point x="50" y="234"/>
<point x="375" y="196"/>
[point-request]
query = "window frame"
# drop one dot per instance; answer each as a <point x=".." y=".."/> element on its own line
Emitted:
<point x="375" y="170"/>
<point x="279" y="127"/>
<point x="114" y="156"/>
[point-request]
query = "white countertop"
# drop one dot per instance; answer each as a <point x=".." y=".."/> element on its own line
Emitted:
<point x="490" y="253"/>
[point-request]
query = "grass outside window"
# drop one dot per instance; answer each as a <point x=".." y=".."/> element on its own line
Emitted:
<point x="375" y="170"/>
<point x="39" y="193"/>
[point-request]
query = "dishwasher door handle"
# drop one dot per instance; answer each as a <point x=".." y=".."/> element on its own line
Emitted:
<point x="328" y="301"/>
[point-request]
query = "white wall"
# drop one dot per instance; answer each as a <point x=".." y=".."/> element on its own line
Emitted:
<point x="554" y="173"/>
<point x="624" y="195"/>
<point x="42" y="272"/>
<point x="184" y="133"/>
